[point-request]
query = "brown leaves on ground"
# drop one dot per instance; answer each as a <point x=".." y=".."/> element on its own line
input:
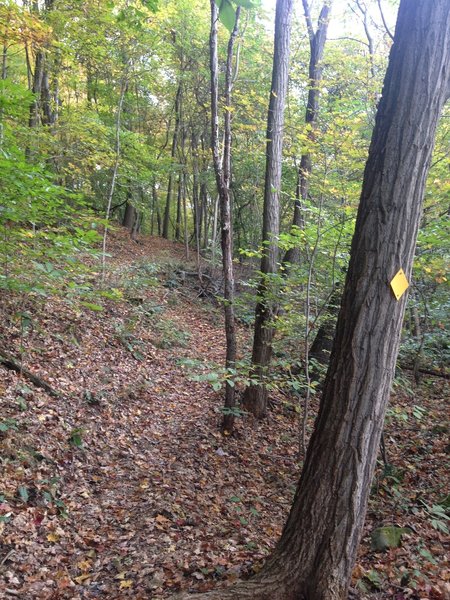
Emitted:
<point x="124" y="487"/>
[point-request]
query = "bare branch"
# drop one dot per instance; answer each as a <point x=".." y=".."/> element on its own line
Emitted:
<point x="308" y="20"/>
<point x="384" y="21"/>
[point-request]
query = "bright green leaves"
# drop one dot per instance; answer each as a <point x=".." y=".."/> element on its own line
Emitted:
<point x="247" y="3"/>
<point x="388" y="537"/>
<point x="227" y="12"/>
<point x="151" y="4"/>
<point x="43" y="226"/>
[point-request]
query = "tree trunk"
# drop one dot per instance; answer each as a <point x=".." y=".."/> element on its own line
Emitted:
<point x="129" y="216"/>
<point x="3" y="76"/>
<point x="136" y="227"/>
<point x="204" y="213"/>
<point x="179" y="207"/>
<point x="322" y="345"/>
<point x="185" y="218"/>
<point x="255" y="397"/>
<point x="35" y="108"/>
<point x="222" y="170"/>
<point x="156" y="209"/>
<point x="4" y="62"/>
<point x="196" y="205"/>
<point x="112" y="188"/>
<point x="317" y="41"/>
<point x="204" y="196"/>
<point x="314" y="558"/>
<point x="166" y="222"/>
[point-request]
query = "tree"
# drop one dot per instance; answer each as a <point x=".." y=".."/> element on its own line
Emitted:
<point x="317" y="41"/>
<point x="176" y="131"/>
<point x="255" y="397"/>
<point x="316" y="552"/>
<point x="222" y="168"/>
<point x="41" y="110"/>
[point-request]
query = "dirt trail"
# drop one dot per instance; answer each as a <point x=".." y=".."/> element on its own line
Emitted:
<point x="155" y="497"/>
<point x="124" y="487"/>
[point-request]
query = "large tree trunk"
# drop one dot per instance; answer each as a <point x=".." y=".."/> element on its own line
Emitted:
<point x="41" y="111"/>
<point x="129" y="216"/>
<point x="317" y="41"/>
<point x="255" y="397"/>
<point x="317" y="549"/>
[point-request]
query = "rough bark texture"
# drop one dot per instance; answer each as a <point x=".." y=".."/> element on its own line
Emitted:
<point x="222" y="170"/>
<point x="315" y="555"/>
<point x="129" y="216"/>
<point x="41" y="111"/>
<point x="317" y="41"/>
<point x="321" y="348"/>
<point x="255" y="397"/>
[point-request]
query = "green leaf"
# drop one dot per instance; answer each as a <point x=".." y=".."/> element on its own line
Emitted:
<point x="439" y="525"/>
<point x="151" y="4"/>
<point x="387" y="537"/>
<point x="22" y="403"/>
<point x="5" y="518"/>
<point x="427" y="554"/>
<point x="76" y="437"/>
<point x="26" y="321"/>
<point x="47" y="497"/>
<point x="374" y="579"/>
<point x="227" y="14"/>
<point x="247" y="3"/>
<point x="439" y="510"/>
<point x="8" y="424"/>
<point x="23" y="493"/>
<point x="91" y="306"/>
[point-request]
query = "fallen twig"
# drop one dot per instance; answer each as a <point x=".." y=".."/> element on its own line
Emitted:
<point x="433" y="372"/>
<point x="11" y="363"/>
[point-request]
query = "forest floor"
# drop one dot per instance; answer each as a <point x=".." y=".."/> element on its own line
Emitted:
<point x="123" y="487"/>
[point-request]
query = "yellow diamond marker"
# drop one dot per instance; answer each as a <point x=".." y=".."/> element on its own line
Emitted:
<point x="399" y="284"/>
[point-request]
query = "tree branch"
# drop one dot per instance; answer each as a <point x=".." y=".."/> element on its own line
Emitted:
<point x="384" y="21"/>
<point x="10" y="363"/>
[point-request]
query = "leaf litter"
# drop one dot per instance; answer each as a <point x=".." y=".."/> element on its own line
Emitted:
<point x="124" y="488"/>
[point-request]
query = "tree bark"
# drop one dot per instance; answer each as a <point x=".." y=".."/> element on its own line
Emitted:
<point x="166" y="221"/>
<point x="317" y="41"/>
<point x="41" y="107"/>
<point x="255" y="396"/>
<point x="179" y="207"/>
<point x="155" y="209"/>
<point x="196" y="204"/>
<point x="222" y="168"/>
<point x="314" y="558"/>
<point x="129" y="216"/>
<point x="322" y="345"/>
<point x="117" y="155"/>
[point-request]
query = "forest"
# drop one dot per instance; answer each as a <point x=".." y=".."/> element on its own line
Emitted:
<point x="224" y="299"/>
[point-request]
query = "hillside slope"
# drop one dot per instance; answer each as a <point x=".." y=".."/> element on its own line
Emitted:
<point x="123" y="487"/>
